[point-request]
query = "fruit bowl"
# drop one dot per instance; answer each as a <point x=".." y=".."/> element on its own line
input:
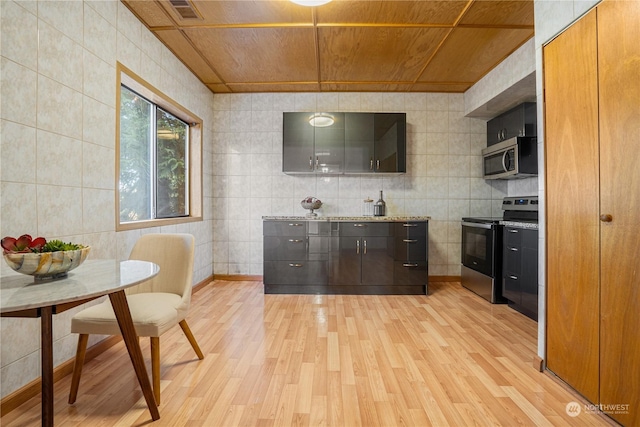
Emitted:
<point x="46" y="265"/>
<point x="311" y="203"/>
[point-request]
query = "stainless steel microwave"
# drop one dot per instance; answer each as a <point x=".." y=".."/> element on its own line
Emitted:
<point x="514" y="158"/>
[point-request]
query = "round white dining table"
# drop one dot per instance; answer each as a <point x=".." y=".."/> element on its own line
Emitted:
<point x="24" y="296"/>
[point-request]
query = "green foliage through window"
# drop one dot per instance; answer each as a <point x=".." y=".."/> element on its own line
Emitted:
<point x="153" y="180"/>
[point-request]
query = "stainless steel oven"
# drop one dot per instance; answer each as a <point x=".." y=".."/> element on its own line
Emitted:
<point x="481" y="262"/>
<point x="482" y="247"/>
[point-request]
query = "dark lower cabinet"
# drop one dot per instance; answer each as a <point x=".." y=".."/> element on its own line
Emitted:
<point x="368" y="257"/>
<point x="520" y="270"/>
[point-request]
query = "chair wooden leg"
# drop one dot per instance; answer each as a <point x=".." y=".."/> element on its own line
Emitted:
<point x="155" y="367"/>
<point x="81" y="351"/>
<point x="191" y="338"/>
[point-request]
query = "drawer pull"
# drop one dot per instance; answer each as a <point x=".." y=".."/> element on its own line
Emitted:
<point x="410" y="240"/>
<point x="296" y="240"/>
<point x="513" y="249"/>
<point x="513" y="277"/>
<point x="295" y="265"/>
<point x="295" y="224"/>
<point x="409" y="225"/>
<point x="409" y="265"/>
<point x="359" y="225"/>
<point x="511" y="230"/>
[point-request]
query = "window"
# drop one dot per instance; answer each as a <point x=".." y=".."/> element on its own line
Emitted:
<point x="159" y="177"/>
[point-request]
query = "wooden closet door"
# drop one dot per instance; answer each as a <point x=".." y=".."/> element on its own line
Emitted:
<point x="571" y="187"/>
<point x="619" y="79"/>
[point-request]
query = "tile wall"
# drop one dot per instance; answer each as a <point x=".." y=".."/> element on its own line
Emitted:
<point x="443" y="179"/>
<point x="57" y="178"/>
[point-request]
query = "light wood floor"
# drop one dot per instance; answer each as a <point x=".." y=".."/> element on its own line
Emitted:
<point x="447" y="359"/>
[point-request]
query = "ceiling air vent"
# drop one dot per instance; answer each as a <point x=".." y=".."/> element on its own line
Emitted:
<point x="184" y="9"/>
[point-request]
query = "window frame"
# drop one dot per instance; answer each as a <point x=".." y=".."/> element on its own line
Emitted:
<point x="134" y="82"/>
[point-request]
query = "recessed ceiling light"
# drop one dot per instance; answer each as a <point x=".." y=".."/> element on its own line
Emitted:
<point x="321" y="120"/>
<point x="310" y="2"/>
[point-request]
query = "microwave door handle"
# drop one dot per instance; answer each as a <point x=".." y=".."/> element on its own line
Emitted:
<point x="504" y="160"/>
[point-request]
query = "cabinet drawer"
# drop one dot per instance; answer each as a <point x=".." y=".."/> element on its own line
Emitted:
<point x="365" y="229"/>
<point x="512" y="288"/>
<point x="410" y="229"/>
<point x="512" y="236"/>
<point x="296" y="272"/>
<point x="512" y="261"/>
<point x="284" y="228"/>
<point x="296" y="248"/>
<point x="410" y="273"/>
<point x="410" y="248"/>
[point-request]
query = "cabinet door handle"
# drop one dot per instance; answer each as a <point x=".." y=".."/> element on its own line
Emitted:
<point x="378" y="164"/>
<point x="410" y="240"/>
<point x="365" y="246"/>
<point x="511" y="230"/>
<point x="513" y="249"/>
<point x="359" y="225"/>
<point x="311" y="162"/>
<point x="296" y="240"/>
<point x="295" y="265"/>
<point x="606" y="218"/>
<point x="409" y="225"/>
<point x="295" y="224"/>
<point x="371" y="164"/>
<point x="317" y="161"/>
<point x="357" y="246"/>
<point x="513" y="277"/>
<point x="409" y="265"/>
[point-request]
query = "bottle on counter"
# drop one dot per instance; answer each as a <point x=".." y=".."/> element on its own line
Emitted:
<point x="380" y="208"/>
<point x="367" y="208"/>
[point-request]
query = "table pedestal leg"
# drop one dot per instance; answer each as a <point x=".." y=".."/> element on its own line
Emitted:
<point x="121" y="309"/>
<point x="46" y="360"/>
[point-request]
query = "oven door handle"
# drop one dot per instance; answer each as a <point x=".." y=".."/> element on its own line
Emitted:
<point x="476" y="225"/>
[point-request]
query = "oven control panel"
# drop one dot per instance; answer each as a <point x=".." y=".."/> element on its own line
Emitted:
<point x="529" y="203"/>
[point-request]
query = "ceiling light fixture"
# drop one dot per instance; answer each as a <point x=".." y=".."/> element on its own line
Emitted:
<point x="321" y="120"/>
<point x="310" y="2"/>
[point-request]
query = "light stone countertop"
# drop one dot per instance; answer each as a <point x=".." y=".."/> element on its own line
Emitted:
<point x="520" y="224"/>
<point x="348" y="218"/>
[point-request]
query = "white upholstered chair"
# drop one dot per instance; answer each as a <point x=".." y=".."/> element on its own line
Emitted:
<point x="156" y="305"/>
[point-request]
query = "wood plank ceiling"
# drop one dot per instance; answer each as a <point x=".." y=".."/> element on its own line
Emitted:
<point x="359" y="46"/>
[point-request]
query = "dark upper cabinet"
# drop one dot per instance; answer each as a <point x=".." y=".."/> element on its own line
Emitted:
<point x="519" y="121"/>
<point x="390" y="131"/>
<point x="353" y="143"/>
<point x="309" y="149"/>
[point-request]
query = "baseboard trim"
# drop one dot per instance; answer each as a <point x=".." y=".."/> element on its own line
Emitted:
<point x="202" y="284"/>
<point x="238" y="277"/>
<point x="34" y="388"/>
<point x="538" y="363"/>
<point x="444" y="278"/>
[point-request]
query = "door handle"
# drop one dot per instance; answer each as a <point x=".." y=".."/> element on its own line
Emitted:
<point x="409" y="265"/>
<point x="512" y="230"/>
<point x="359" y="225"/>
<point x="513" y="249"/>
<point x="378" y="164"/>
<point x="365" y="246"/>
<point x="295" y="224"/>
<point x="310" y="162"/>
<point x="357" y="246"/>
<point x="513" y="277"/>
<point x="409" y="240"/>
<point x="409" y="225"/>
<point x="295" y="265"/>
<point x="295" y="240"/>
<point x="371" y="164"/>
<point x="606" y="218"/>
